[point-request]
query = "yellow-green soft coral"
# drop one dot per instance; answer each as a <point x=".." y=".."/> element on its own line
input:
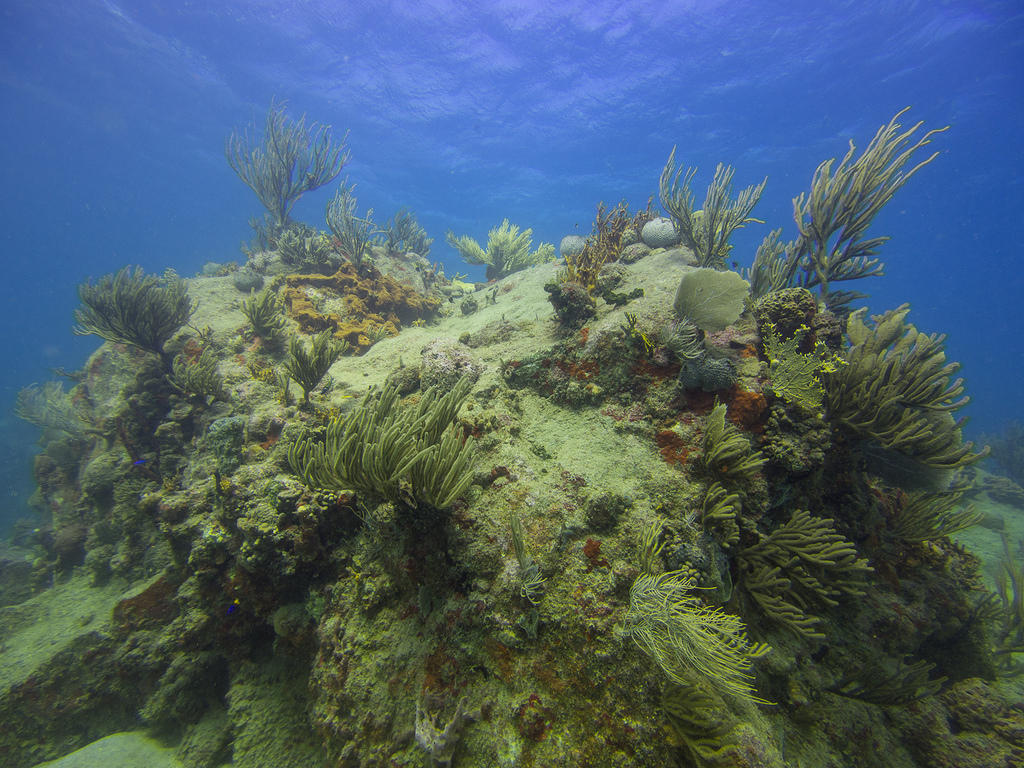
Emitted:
<point x="508" y="250"/>
<point x="681" y="634"/>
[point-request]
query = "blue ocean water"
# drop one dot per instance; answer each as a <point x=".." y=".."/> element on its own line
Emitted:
<point x="114" y="117"/>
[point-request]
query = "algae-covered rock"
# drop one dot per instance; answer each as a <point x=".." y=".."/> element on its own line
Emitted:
<point x="100" y="476"/>
<point x="707" y="374"/>
<point x="267" y="707"/>
<point x="787" y="310"/>
<point x="633" y="253"/>
<point x="444" y="361"/>
<point x="224" y="439"/>
<point x="247" y="280"/>
<point x="126" y="749"/>
<point x="605" y="508"/>
<point x="796" y="442"/>
<point x="572" y="303"/>
<point x="206" y="744"/>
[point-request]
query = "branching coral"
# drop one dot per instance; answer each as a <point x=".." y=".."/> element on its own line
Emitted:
<point x="199" y="377"/>
<point x="602" y="246"/>
<point x="898" y="389"/>
<point x="508" y="250"/>
<point x="719" y="511"/>
<point x="354" y="233"/>
<point x="707" y="231"/>
<point x="727" y="455"/>
<point x="50" y="408"/>
<point x="834" y="217"/>
<point x="902" y="685"/>
<point x="385" y="452"/>
<point x="531" y="582"/>
<point x="134" y="308"/>
<point x="265" y="312"/>
<point x="801" y="562"/>
<point x="771" y="590"/>
<point x="924" y="515"/>
<point x="307" y="249"/>
<point x="771" y="270"/>
<point x="681" y="634"/>
<point x="1008" y="450"/>
<point x="307" y="366"/>
<point x="703" y="723"/>
<point x="403" y="234"/>
<point x="291" y="159"/>
<point x="1010" y="591"/>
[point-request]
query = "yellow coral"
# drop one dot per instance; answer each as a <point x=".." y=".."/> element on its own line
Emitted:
<point x="796" y="376"/>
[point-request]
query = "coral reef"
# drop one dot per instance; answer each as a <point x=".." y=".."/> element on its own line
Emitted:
<point x="607" y="535"/>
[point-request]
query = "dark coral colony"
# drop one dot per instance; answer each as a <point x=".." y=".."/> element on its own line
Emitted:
<point x="621" y="504"/>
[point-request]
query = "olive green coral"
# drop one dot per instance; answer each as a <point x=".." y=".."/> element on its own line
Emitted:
<point x="307" y="366"/>
<point x="403" y="234"/>
<point x="199" y="377"/>
<point x="898" y="389"/>
<point x="134" y="308"/>
<point x="799" y="563"/>
<point x="901" y="683"/>
<point x="354" y="233"/>
<point x="719" y="511"/>
<point x="1009" y="614"/>
<point x="926" y="515"/>
<point x="265" y="312"/>
<point x="51" y="408"/>
<point x="292" y="158"/>
<point x="387" y="452"/>
<point x="834" y="216"/>
<point x="531" y="582"/>
<point x="702" y="721"/>
<point x="304" y="248"/>
<point x="727" y="454"/>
